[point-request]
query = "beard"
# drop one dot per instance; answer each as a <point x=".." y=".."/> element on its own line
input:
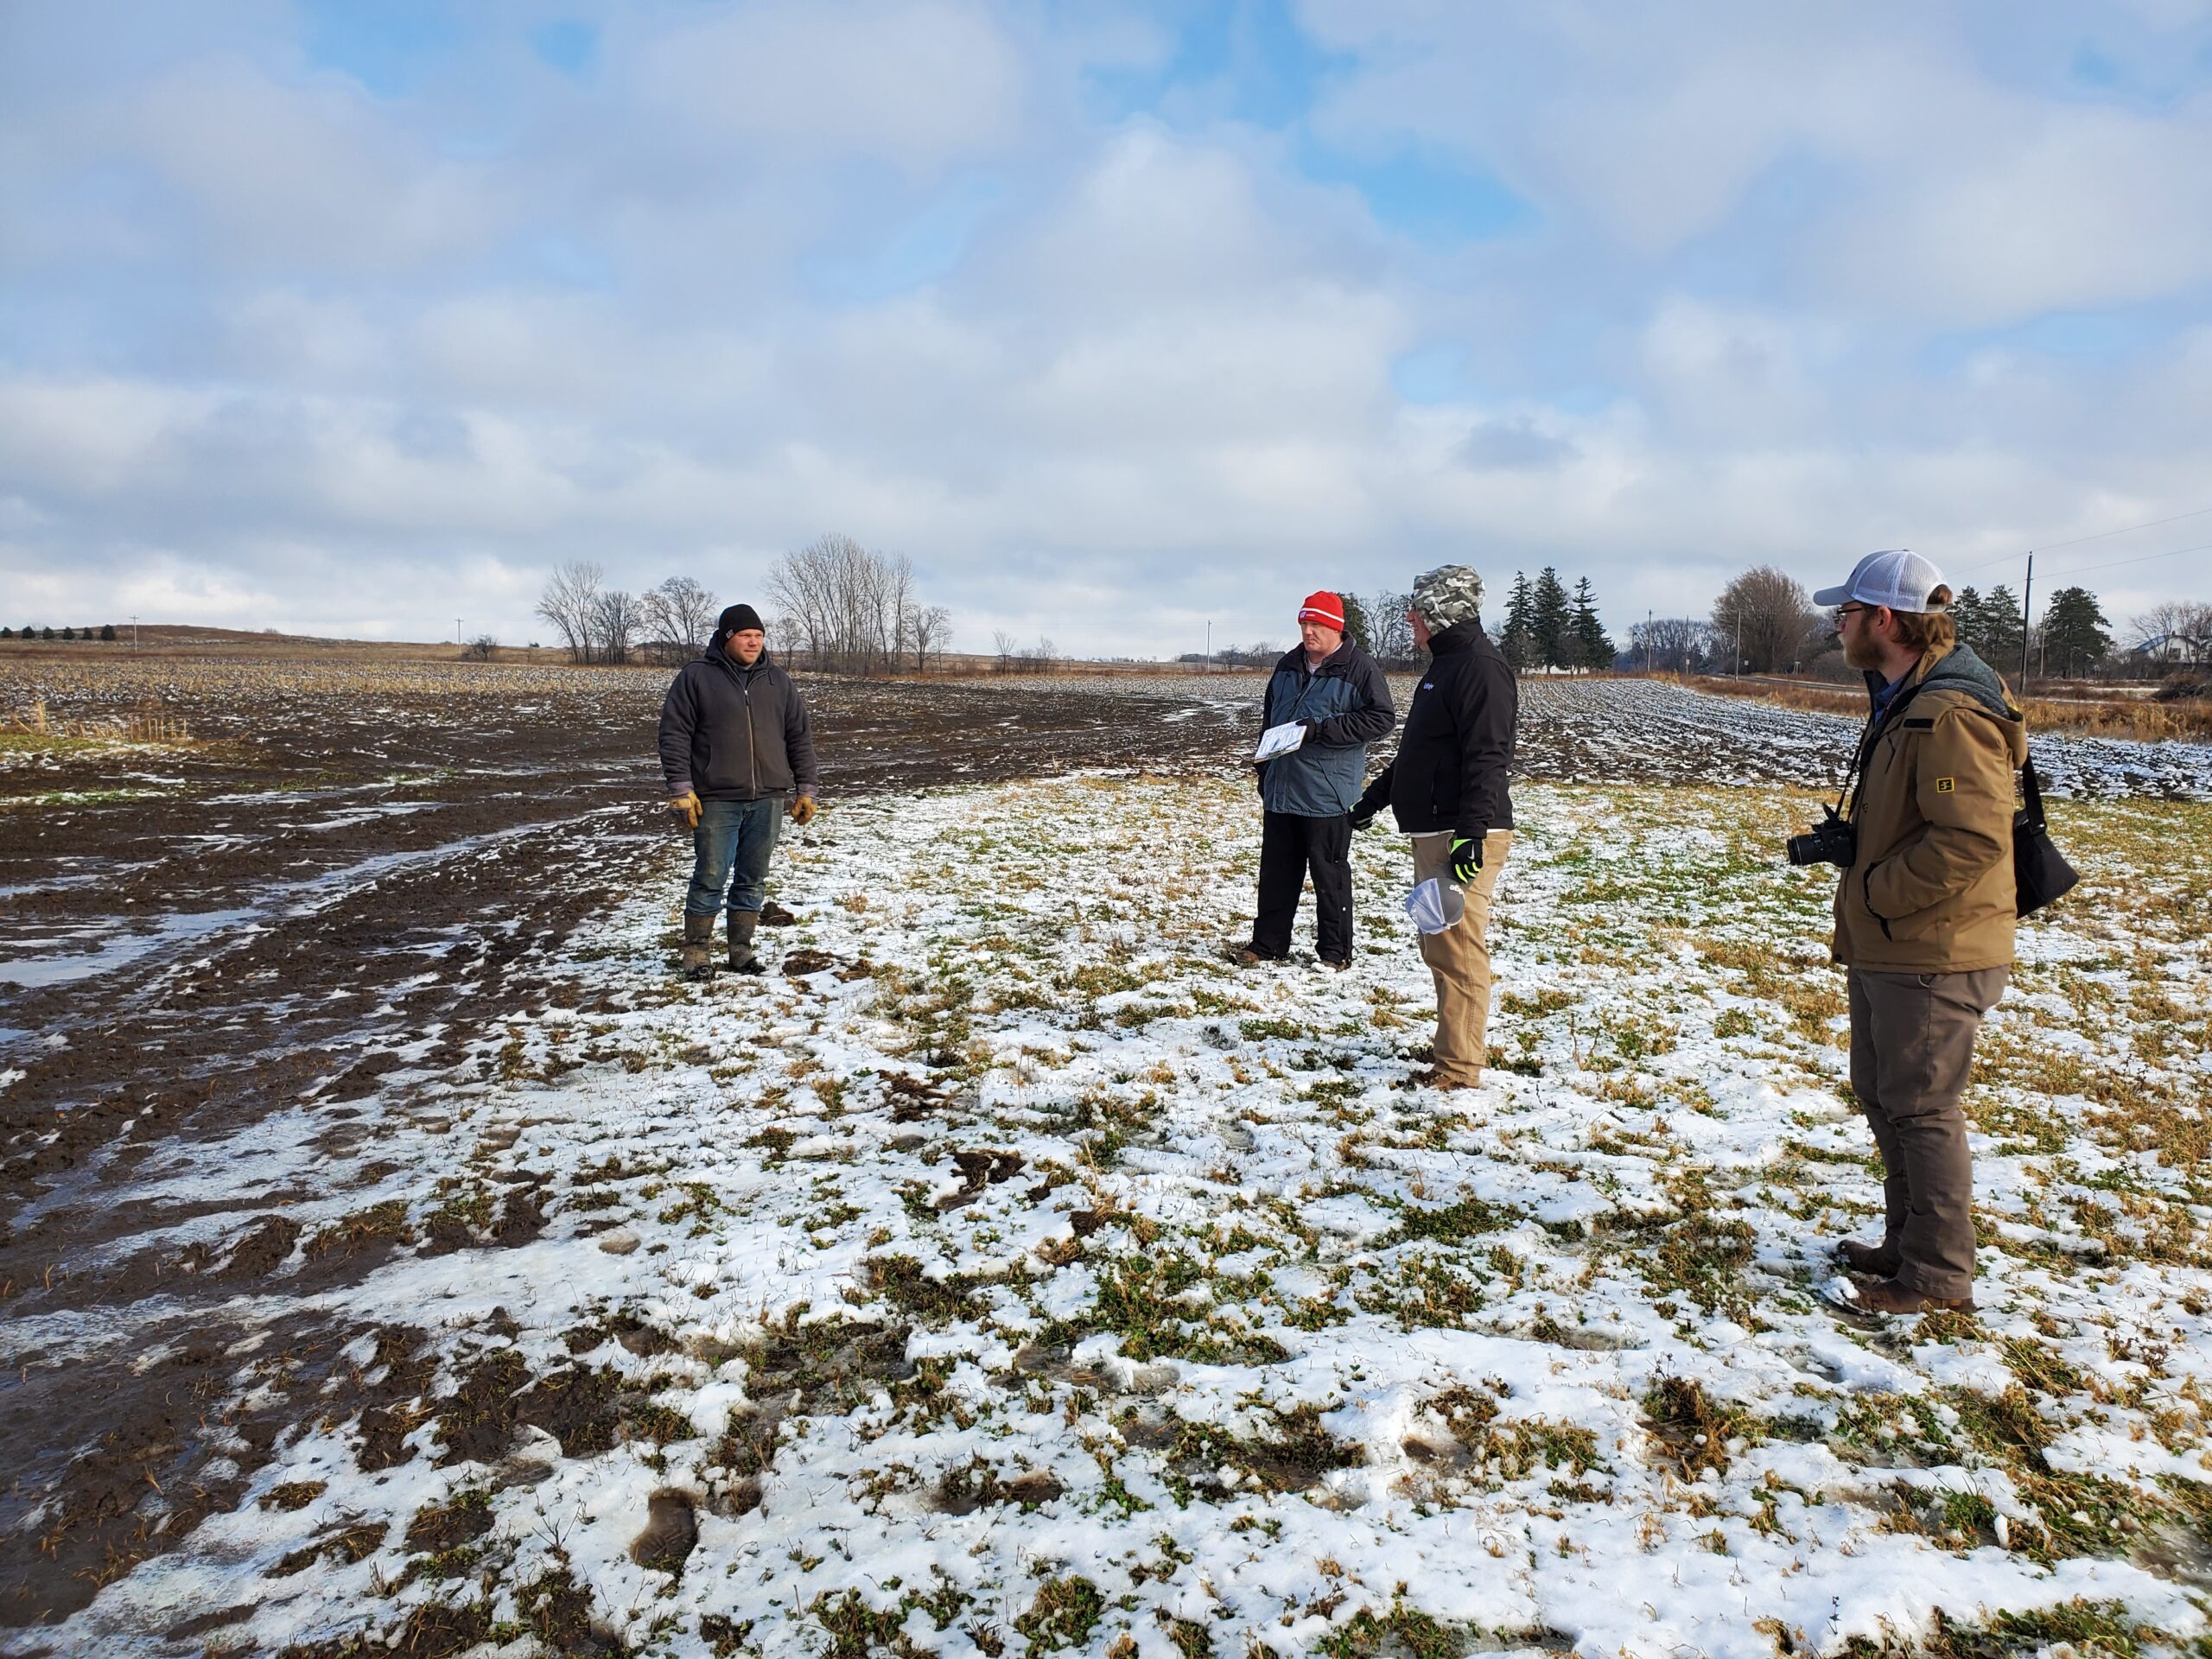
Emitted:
<point x="1862" y="654"/>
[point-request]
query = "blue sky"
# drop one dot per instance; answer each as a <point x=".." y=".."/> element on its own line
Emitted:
<point x="1117" y="321"/>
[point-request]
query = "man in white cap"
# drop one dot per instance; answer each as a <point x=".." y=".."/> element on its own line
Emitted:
<point x="1923" y="917"/>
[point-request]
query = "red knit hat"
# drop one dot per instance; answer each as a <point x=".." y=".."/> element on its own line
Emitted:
<point x="1325" y="608"/>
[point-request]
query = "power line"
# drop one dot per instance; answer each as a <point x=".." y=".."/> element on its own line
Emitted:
<point x="2103" y="535"/>
<point x="2052" y="547"/>
<point x="2083" y="570"/>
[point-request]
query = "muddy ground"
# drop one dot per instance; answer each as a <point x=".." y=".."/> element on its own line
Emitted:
<point x="308" y="916"/>
<point x="237" y="977"/>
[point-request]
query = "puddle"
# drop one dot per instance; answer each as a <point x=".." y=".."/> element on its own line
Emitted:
<point x="356" y="816"/>
<point x="291" y="898"/>
<point x="52" y="884"/>
<point x="33" y="972"/>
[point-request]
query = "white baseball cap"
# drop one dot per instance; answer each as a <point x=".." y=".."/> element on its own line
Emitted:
<point x="1900" y="579"/>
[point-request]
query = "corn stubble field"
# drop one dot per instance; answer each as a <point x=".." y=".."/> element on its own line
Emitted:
<point x="1004" y="1272"/>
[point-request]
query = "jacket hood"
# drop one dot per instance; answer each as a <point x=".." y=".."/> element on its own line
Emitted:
<point x="1957" y="668"/>
<point x="1961" y="672"/>
<point x="715" y="653"/>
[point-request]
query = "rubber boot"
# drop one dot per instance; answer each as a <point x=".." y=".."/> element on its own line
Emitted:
<point x="741" y="959"/>
<point x="698" y="939"/>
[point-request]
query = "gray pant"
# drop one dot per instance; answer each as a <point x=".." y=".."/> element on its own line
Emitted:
<point x="1911" y="1045"/>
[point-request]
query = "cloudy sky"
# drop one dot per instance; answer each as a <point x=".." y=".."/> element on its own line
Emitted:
<point x="354" y="316"/>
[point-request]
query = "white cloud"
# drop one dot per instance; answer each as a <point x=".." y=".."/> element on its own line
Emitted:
<point x="355" y="382"/>
<point x="915" y="82"/>
<point x="308" y="176"/>
<point x="1910" y="182"/>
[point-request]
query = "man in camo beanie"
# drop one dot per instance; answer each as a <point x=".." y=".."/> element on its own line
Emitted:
<point x="1447" y="789"/>
<point x="1449" y="595"/>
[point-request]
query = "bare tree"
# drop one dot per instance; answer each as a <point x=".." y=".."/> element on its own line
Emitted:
<point x="1675" y="644"/>
<point x="570" y="603"/>
<point x="2179" y="630"/>
<point x="1771" y="615"/>
<point x="676" y="619"/>
<point x="930" y="628"/>
<point x="614" y="622"/>
<point x="481" y="648"/>
<point x="1003" y="642"/>
<point x="855" y="612"/>
<point x="1391" y="634"/>
<point x="893" y="592"/>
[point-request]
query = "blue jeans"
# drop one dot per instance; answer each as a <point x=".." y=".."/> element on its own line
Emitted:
<point x="734" y="837"/>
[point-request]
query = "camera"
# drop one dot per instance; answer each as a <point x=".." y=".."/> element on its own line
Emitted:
<point x="1833" y="841"/>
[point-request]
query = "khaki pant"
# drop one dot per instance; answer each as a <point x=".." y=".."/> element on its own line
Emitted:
<point x="1912" y="1045"/>
<point x="1459" y="960"/>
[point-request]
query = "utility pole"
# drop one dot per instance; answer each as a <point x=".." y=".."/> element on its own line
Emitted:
<point x="1209" y="668"/>
<point x="134" y="631"/>
<point x="1739" y="639"/>
<point x="2027" y="610"/>
<point x="1647" y="644"/>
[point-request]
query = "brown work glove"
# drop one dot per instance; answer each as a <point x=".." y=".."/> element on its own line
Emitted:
<point x="803" y="811"/>
<point x="686" y="807"/>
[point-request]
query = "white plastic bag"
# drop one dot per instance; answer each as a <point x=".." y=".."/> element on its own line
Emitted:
<point x="1436" y="904"/>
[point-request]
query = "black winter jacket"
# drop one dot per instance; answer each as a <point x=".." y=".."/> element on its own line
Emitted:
<point x="1450" y="771"/>
<point x="734" y="734"/>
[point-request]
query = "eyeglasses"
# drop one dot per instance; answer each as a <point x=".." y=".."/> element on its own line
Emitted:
<point x="1842" y="610"/>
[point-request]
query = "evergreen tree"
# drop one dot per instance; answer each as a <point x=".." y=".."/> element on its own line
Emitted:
<point x="1549" y="620"/>
<point x="2075" y="639"/>
<point x="107" y="630"/>
<point x="45" y="633"/>
<point x="1518" y="641"/>
<point x="68" y="634"/>
<point x="1999" y="642"/>
<point x="1356" y="628"/>
<point x="1590" y="645"/>
<point x="7" y="633"/>
<point x="1967" y="616"/>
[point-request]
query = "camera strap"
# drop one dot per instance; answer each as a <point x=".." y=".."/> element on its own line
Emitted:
<point x="1846" y="800"/>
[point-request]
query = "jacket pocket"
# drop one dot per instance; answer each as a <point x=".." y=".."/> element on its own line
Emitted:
<point x="721" y="771"/>
<point x="1912" y="924"/>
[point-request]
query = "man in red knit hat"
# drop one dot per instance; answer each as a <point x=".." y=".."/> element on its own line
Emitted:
<point x="1333" y="690"/>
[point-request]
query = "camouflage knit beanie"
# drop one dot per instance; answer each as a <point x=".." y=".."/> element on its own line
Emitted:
<point x="1450" y="594"/>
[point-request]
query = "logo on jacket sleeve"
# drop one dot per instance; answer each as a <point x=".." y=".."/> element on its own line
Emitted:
<point x="1945" y="785"/>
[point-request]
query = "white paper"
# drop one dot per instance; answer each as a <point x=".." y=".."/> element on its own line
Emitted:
<point x="1278" y="740"/>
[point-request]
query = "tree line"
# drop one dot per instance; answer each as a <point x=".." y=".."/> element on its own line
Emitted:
<point x="1544" y="628"/>
<point x="1765" y="622"/>
<point x="105" y="632"/>
<point x="834" y="605"/>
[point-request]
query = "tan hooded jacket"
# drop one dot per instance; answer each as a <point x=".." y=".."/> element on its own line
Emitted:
<point x="1932" y="889"/>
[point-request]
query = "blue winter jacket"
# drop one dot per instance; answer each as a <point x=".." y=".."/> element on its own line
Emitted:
<point x="1348" y="702"/>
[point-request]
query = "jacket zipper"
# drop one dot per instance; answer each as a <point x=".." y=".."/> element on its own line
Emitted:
<point x="752" y="744"/>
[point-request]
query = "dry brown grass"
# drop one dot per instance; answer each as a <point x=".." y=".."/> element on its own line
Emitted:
<point x="2116" y="716"/>
<point x="149" y="722"/>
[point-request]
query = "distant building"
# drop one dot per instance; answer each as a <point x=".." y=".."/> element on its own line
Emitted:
<point x="2174" y="648"/>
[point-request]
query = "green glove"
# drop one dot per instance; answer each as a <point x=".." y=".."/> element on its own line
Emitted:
<point x="1466" y="858"/>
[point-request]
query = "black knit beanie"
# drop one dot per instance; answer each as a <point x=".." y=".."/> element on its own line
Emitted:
<point x="737" y="619"/>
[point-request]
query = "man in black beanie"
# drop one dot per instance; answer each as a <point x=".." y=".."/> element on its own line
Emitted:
<point x="736" y="744"/>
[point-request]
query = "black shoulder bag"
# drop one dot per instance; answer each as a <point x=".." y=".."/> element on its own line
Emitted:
<point x="2040" y="871"/>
